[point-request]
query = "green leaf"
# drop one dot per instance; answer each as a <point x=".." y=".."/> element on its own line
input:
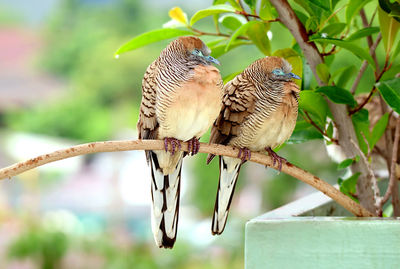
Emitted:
<point x="391" y="7"/>
<point x="312" y="24"/>
<point x="266" y="10"/>
<point x="390" y="91"/>
<point x="363" y="33"/>
<point x="323" y="72"/>
<point x="361" y="126"/>
<point x="317" y="8"/>
<point x="346" y="73"/>
<point x="303" y="132"/>
<point x="294" y="59"/>
<point x="388" y="211"/>
<point x="302" y="16"/>
<point x="219" y="50"/>
<point x="378" y="130"/>
<point x="356" y="50"/>
<point x="329" y="130"/>
<point x="333" y="29"/>
<point x="217" y="9"/>
<point x="396" y="51"/>
<point x="353" y="7"/>
<point x="257" y="32"/>
<point x="215" y="42"/>
<point x="232" y="21"/>
<point x="321" y="4"/>
<point x="234" y="4"/>
<point x="241" y="30"/>
<point x="338" y="95"/>
<point x="389" y="28"/>
<point x="315" y="104"/>
<point x="344" y="164"/>
<point x="151" y="37"/>
<point x="251" y="3"/>
<point x="348" y="186"/>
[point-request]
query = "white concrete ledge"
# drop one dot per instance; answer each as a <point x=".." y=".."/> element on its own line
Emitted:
<point x="294" y="236"/>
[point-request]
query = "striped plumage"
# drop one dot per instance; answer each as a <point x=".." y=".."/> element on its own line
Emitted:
<point x="182" y="96"/>
<point x="259" y="112"/>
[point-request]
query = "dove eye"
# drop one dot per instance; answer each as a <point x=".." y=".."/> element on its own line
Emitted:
<point x="278" y="72"/>
<point x="197" y="52"/>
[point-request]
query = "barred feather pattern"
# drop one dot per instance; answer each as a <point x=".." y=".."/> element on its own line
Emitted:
<point x="251" y="102"/>
<point x="162" y="81"/>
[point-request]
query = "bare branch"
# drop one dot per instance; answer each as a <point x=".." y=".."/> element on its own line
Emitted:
<point x="308" y="119"/>
<point x="111" y="146"/>
<point x="244" y="13"/>
<point x="359" y="76"/>
<point x="393" y="186"/>
<point x="201" y="33"/>
<point x="377" y="79"/>
<point x="369" y="38"/>
<point x="365" y="64"/>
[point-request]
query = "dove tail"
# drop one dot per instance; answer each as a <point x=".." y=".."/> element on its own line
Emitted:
<point x="229" y="169"/>
<point x="165" y="191"/>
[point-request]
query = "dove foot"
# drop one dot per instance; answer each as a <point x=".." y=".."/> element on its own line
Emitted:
<point x="193" y="146"/>
<point x="244" y="154"/>
<point x="275" y="158"/>
<point x="174" y="144"/>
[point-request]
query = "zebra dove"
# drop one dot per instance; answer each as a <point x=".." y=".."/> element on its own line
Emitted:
<point x="259" y="113"/>
<point x="181" y="98"/>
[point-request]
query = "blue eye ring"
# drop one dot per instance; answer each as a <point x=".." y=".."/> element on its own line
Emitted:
<point x="197" y="52"/>
<point x="278" y="72"/>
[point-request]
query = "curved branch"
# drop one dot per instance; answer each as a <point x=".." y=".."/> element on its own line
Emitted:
<point x="366" y="184"/>
<point x="110" y="146"/>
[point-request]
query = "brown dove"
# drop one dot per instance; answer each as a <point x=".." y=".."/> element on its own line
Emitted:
<point x="181" y="98"/>
<point x="259" y="113"/>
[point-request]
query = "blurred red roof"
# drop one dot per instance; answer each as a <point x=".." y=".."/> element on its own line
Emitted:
<point x="22" y="83"/>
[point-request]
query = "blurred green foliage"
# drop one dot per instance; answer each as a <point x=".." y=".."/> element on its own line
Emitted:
<point x="50" y="247"/>
<point x="45" y="247"/>
<point x="104" y="92"/>
<point x="104" y="96"/>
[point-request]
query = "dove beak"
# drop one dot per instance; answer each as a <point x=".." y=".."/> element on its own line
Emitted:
<point x="292" y="75"/>
<point x="212" y="60"/>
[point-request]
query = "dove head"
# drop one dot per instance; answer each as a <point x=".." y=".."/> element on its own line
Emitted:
<point x="277" y="68"/>
<point x="196" y="51"/>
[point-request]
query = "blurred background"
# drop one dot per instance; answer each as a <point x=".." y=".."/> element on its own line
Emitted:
<point x="59" y="86"/>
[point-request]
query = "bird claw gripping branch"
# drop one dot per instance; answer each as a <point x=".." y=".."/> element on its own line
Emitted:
<point x="193" y="146"/>
<point x="244" y="154"/>
<point x="173" y="142"/>
<point x="276" y="158"/>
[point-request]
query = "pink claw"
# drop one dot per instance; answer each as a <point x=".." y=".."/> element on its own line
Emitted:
<point x="193" y="146"/>
<point x="244" y="154"/>
<point x="275" y="158"/>
<point x="174" y="142"/>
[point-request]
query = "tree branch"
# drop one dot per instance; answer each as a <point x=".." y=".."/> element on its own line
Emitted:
<point x="111" y="146"/>
<point x="371" y="93"/>
<point x="365" y="184"/>
<point x="364" y="65"/>
<point x="393" y="186"/>
<point x="201" y="33"/>
<point x="369" y="38"/>
<point x="244" y="13"/>
<point x="308" y="119"/>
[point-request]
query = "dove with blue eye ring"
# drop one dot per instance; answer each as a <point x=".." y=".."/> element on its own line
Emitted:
<point x="279" y="72"/>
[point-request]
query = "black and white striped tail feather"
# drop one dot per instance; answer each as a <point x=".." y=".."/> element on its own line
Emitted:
<point x="165" y="192"/>
<point x="226" y="189"/>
